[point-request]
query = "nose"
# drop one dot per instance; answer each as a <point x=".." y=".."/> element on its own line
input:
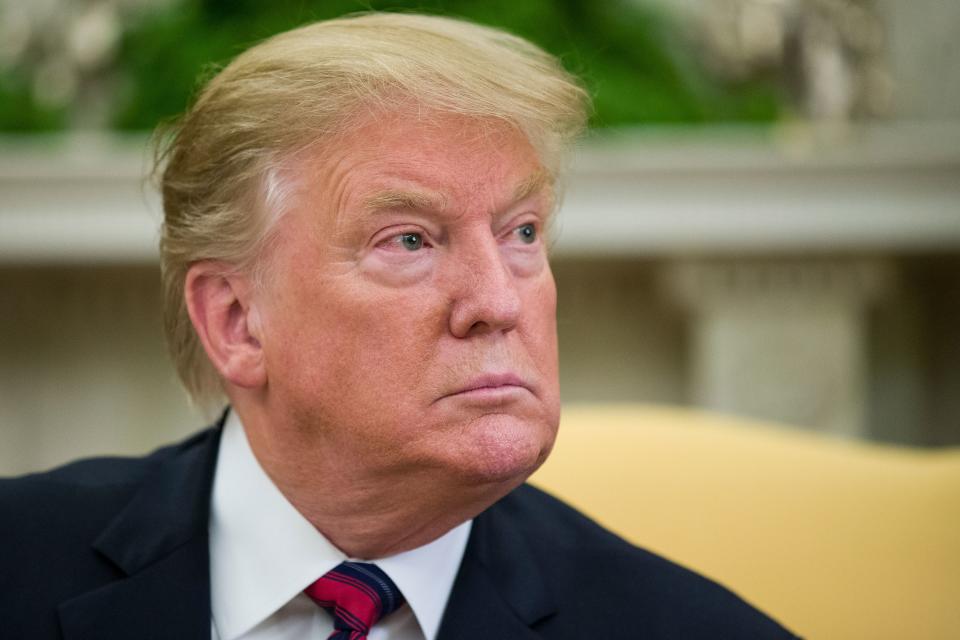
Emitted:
<point x="486" y="297"/>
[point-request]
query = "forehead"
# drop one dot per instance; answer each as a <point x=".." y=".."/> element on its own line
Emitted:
<point x="426" y="160"/>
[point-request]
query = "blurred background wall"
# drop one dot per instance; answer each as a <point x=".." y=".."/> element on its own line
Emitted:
<point x="765" y="219"/>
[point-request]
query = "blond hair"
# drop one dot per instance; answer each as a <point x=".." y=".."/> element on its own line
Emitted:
<point x="221" y="160"/>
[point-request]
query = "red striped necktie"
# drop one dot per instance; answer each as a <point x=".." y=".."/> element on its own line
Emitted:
<point x="357" y="594"/>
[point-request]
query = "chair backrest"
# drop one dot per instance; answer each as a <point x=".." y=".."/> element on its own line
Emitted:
<point x="834" y="539"/>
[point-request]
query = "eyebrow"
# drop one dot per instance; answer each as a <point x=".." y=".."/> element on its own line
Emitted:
<point x="425" y="201"/>
<point x="397" y="199"/>
<point x="532" y="184"/>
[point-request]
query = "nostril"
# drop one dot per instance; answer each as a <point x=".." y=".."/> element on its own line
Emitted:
<point x="485" y="310"/>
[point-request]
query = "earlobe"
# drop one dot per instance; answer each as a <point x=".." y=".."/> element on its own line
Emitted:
<point x="227" y="323"/>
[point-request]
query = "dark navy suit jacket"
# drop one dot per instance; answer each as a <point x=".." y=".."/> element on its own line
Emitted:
<point x="117" y="548"/>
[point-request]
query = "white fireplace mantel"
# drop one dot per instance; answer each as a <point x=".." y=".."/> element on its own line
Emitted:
<point x="84" y="199"/>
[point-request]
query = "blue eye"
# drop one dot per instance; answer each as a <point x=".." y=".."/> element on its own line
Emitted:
<point x="411" y="241"/>
<point x="527" y="233"/>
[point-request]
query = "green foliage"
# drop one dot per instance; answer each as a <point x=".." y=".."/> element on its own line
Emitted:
<point x="20" y="111"/>
<point x="631" y="57"/>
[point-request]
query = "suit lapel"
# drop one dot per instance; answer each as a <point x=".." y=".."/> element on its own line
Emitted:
<point x="159" y="544"/>
<point x="500" y="591"/>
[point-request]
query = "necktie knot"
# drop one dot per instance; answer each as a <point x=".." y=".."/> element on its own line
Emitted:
<point x="357" y="594"/>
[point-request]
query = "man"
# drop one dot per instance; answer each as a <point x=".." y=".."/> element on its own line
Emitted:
<point x="353" y="254"/>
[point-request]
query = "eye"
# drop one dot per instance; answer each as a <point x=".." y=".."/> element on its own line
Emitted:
<point x="411" y="241"/>
<point x="527" y="233"/>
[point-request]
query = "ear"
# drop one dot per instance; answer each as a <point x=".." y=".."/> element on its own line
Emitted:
<point x="226" y="320"/>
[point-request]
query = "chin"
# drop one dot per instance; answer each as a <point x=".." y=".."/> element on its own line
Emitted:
<point x="505" y="449"/>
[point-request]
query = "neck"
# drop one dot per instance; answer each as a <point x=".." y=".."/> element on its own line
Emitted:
<point x="367" y="514"/>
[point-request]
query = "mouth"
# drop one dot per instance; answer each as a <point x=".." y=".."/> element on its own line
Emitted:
<point x="492" y="388"/>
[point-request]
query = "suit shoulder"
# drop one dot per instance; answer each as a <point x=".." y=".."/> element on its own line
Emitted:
<point x="50" y="525"/>
<point x="100" y="471"/>
<point x="83" y="486"/>
<point x="580" y="556"/>
<point x="539" y="512"/>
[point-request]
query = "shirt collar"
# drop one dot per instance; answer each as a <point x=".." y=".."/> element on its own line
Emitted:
<point x="263" y="552"/>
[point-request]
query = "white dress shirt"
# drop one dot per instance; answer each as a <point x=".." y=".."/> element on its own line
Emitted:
<point x="263" y="553"/>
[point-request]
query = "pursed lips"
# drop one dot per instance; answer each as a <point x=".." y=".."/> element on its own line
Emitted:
<point x="494" y="386"/>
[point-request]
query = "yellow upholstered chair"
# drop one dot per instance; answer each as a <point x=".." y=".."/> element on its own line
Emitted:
<point x="832" y="538"/>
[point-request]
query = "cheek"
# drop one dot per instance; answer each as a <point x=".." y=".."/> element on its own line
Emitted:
<point x="365" y="342"/>
<point x="540" y="314"/>
<point x="358" y="366"/>
<point x="539" y="331"/>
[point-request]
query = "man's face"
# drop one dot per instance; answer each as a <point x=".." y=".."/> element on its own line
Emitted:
<point x="409" y="321"/>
